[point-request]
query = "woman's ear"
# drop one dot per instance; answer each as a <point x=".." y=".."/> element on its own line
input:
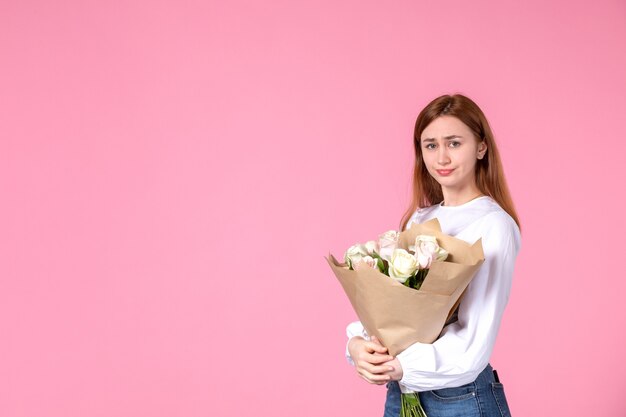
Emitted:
<point x="482" y="149"/>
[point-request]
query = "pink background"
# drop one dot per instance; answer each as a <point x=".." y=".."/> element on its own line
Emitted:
<point x="173" y="172"/>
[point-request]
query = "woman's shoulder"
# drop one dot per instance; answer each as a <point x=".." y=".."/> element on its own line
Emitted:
<point x="499" y="227"/>
<point x="498" y="217"/>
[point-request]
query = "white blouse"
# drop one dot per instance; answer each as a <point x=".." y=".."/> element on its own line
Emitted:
<point x="464" y="347"/>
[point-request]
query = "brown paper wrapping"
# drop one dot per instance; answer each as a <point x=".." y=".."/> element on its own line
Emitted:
<point x="398" y="315"/>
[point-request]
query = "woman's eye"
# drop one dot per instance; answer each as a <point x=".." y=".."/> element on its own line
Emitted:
<point x="455" y="144"/>
<point x="428" y="146"/>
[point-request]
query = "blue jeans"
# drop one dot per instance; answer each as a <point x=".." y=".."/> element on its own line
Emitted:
<point x="482" y="398"/>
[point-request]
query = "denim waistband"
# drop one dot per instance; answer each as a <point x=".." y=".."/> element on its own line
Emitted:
<point x="487" y="376"/>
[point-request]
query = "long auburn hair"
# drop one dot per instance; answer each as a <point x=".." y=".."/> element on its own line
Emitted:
<point x="490" y="178"/>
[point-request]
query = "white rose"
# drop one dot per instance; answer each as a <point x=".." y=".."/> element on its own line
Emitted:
<point x="371" y="246"/>
<point x="425" y="239"/>
<point x="388" y="242"/>
<point x="354" y="254"/>
<point x="442" y="254"/>
<point x="402" y="265"/>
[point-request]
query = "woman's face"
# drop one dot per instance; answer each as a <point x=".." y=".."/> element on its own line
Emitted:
<point x="450" y="151"/>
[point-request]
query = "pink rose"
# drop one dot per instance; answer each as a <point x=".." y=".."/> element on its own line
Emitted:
<point x="388" y="242"/>
<point x="428" y="250"/>
<point x="366" y="262"/>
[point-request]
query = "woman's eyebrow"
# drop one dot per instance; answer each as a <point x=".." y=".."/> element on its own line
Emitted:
<point x="445" y="137"/>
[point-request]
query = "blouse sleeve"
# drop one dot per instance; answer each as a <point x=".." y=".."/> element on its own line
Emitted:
<point x="464" y="348"/>
<point x="354" y="329"/>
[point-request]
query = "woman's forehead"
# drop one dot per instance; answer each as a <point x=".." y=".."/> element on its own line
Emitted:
<point x="445" y="127"/>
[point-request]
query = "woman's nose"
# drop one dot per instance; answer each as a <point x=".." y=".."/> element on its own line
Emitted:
<point x="442" y="156"/>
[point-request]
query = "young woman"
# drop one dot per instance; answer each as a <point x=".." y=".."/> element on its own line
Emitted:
<point x="458" y="179"/>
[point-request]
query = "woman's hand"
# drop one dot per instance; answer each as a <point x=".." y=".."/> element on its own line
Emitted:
<point x="372" y="362"/>
<point x="396" y="369"/>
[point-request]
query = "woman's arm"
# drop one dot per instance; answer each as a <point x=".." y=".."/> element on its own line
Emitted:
<point x="464" y="348"/>
<point x="356" y="329"/>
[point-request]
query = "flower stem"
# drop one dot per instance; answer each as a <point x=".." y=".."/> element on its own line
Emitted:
<point x="411" y="406"/>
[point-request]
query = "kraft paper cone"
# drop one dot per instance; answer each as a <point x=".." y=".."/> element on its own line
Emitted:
<point x="398" y="315"/>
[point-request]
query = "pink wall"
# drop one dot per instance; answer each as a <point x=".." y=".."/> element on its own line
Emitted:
<point x="173" y="172"/>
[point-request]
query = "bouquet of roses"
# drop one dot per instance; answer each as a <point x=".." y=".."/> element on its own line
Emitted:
<point x="405" y="286"/>
<point x="407" y="267"/>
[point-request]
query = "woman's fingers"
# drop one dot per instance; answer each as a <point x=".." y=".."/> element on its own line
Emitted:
<point x="375" y="369"/>
<point x="369" y="357"/>
<point x="357" y="343"/>
<point x="372" y="359"/>
<point x="370" y="368"/>
<point x="375" y="346"/>
<point x="396" y="373"/>
<point x="375" y="340"/>
<point x="372" y="378"/>
<point x="377" y="358"/>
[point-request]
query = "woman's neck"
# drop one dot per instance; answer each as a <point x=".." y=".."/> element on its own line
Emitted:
<point x="451" y="199"/>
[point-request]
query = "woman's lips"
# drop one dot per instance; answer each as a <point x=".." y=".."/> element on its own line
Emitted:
<point x="444" y="172"/>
